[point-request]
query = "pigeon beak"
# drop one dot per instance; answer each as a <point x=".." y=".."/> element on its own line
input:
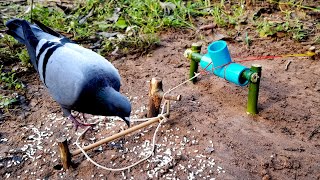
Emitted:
<point x="127" y="120"/>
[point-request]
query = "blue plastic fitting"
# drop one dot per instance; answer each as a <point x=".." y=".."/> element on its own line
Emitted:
<point x="219" y="53"/>
<point x="222" y="65"/>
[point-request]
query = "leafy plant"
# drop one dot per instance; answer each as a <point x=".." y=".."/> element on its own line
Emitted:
<point x="294" y="30"/>
<point x="9" y="81"/>
<point x="247" y="40"/>
<point x="149" y="17"/>
<point x="317" y="40"/>
<point x="51" y="17"/>
<point x="24" y="58"/>
<point x="6" y="102"/>
<point x="224" y="17"/>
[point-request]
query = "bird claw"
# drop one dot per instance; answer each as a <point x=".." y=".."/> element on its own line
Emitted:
<point x="77" y="123"/>
<point x="83" y="125"/>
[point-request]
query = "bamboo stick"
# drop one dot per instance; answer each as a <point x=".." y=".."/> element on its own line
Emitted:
<point x="252" y="106"/>
<point x="120" y="134"/>
<point x="64" y="152"/>
<point x="196" y="48"/>
<point x="154" y="97"/>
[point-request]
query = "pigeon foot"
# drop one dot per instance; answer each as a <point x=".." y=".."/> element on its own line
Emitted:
<point x="77" y="123"/>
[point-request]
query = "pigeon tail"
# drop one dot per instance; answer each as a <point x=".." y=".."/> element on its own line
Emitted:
<point x="24" y="32"/>
<point x="15" y="30"/>
<point x="31" y="41"/>
<point x="52" y="32"/>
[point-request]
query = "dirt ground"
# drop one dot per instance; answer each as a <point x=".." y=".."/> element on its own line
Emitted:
<point x="208" y="135"/>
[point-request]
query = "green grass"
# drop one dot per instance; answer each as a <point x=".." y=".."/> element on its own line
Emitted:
<point x="266" y="28"/>
<point x="24" y="58"/>
<point x="225" y="17"/>
<point x="7" y="102"/>
<point x="317" y="40"/>
<point x="147" y="17"/>
<point x="292" y="28"/>
<point x="13" y="51"/>
<point x="9" y="81"/>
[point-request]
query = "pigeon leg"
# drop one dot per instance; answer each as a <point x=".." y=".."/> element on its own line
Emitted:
<point x="77" y="123"/>
<point x="84" y="116"/>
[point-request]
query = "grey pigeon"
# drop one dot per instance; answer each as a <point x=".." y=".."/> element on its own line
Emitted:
<point x="77" y="78"/>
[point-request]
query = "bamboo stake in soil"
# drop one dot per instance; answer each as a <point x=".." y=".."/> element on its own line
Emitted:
<point x="196" y="48"/>
<point x="155" y="96"/>
<point x="252" y="106"/>
<point x="64" y="152"/>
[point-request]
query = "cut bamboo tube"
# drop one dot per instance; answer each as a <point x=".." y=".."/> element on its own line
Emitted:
<point x="64" y="152"/>
<point x="155" y="96"/>
<point x="252" y="105"/>
<point x="196" y="48"/>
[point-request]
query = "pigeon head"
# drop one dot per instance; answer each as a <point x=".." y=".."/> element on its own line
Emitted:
<point x="115" y="104"/>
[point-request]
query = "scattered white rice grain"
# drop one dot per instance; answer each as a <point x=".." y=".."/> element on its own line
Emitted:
<point x="7" y="175"/>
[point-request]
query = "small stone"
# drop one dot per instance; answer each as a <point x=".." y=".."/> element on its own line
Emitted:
<point x="266" y="177"/>
<point x="312" y="48"/>
<point x="33" y="102"/>
<point x="209" y="150"/>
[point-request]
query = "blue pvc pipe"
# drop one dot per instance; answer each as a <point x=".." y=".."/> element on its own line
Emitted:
<point x="219" y="53"/>
<point x="222" y="65"/>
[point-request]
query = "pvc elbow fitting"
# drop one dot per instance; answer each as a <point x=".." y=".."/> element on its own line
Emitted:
<point x="221" y="64"/>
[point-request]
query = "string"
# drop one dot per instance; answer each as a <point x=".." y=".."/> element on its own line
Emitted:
<point x="31" y="17"/>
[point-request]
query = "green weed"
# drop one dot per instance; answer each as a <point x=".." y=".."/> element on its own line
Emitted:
<point x="12" y="51"/>
<point x="317" y="40"/>
<point x="8" y="41"/>
<point x="148" y="17"/>
<point x="7" y="102"/>
<point x="293" y="30"/>
<point x="52" y="17"/>
<point x="225" y="17"/>
<point x="9" y="81"/>
<point x="24" y="58"/>
<point x="295" y="4"/>
<point x="298" y="33"/>
<point x="247" y="40"/>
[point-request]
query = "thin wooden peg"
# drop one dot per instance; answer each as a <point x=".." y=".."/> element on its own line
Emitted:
<point x="64" y="152"/>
